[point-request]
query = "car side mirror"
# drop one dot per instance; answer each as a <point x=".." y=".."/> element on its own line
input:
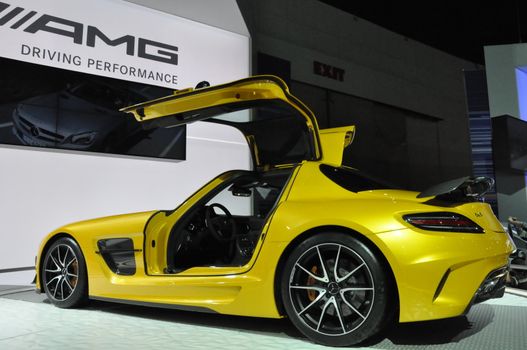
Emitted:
<point x="241" y="191"/>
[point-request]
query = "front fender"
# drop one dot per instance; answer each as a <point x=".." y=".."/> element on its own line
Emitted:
<point x="87" y="233"/>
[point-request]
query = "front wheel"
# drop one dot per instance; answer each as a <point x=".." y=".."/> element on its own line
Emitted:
<point x="64" y="275"/>
<point x="335" y="291"/>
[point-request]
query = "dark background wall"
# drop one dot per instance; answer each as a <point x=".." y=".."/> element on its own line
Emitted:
<point x="406" y="99"/>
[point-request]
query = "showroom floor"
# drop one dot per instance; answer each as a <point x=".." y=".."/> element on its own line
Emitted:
<point x="29" y="321"/>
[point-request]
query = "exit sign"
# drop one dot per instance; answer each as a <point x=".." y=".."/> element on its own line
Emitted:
<point x="328" y="71"/>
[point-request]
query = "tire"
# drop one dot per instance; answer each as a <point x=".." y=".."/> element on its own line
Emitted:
<point x="336" y="305"/>
<point x="64" y="276"/>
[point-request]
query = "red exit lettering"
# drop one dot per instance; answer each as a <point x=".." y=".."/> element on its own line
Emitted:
<point x="328" y="71"/>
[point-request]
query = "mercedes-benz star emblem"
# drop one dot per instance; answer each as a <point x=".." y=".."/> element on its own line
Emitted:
<point x="333" y="288"/>
<point x="34" y="131"/>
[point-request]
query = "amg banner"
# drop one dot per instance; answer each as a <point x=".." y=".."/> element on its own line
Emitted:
<point x="68" y="66"/>
<point x="103" y="37"/>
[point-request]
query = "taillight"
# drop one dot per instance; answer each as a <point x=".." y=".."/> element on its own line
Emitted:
<point x="443" y="222"/>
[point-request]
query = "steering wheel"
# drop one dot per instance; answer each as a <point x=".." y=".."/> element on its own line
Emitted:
<point x="222" y="228"/>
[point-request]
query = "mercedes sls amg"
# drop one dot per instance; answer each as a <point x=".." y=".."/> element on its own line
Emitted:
<point x="300" y="236"/>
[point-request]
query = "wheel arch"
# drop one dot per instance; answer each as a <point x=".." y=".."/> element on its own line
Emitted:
<point x="48" y="244"/>
<point x="337" y="229"/>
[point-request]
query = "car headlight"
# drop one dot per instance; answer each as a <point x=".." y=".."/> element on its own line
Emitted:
<point x="86" y="138"/>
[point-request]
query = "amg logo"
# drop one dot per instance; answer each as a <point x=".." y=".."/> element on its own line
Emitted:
<point x="82" y="34"/>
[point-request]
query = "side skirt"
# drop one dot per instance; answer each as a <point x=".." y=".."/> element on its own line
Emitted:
<point x="158" y="305"/>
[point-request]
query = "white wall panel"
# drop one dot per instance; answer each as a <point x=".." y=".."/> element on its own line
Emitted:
<point x="45" y="189"/>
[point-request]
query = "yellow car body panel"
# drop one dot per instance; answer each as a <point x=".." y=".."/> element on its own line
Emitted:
<point x="436" y="273"/>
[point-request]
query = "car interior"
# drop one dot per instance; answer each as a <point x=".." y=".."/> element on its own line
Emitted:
<point x="224" y="227"/>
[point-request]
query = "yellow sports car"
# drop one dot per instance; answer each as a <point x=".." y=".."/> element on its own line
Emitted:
<point x="301" y="236"/>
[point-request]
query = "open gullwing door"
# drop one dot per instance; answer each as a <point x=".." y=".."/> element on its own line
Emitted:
<point x="278" y="127"/>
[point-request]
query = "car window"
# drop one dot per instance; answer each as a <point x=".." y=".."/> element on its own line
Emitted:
<point x="351" y="179"/>
<point x="240" y="206"/>
<point x="257" y="201"/>
<point x="252" y="195"/>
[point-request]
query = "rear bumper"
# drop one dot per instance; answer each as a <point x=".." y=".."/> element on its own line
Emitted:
<point x="493" y="286"/>
<point x="439" y="275"/>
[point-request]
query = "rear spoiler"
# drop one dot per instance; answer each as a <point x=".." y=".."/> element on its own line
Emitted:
<point x="465" y="187"/>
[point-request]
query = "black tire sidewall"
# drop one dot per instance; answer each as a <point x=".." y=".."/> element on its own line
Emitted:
<point x="381" y="306"/>
<point x="80" y="294"/>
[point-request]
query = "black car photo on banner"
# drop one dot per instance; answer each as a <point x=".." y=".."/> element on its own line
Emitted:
<point x="54" y="108"/>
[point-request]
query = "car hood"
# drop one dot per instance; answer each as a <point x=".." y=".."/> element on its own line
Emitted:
<point x="76" y="115"/>
<point x="118" y="224"/>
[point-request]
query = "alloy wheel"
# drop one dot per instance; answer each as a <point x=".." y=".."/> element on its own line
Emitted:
<point x="331" y="289"/>
<point x="61" y="272"/>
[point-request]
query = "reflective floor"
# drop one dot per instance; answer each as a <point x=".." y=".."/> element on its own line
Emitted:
<point x="29" y="321"/>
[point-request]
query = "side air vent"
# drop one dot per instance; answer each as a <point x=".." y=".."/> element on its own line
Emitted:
<point x="118" y="253"/>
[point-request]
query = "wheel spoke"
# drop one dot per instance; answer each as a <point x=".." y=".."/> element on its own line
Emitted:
<point x="56" y="287"/>
<point x="335" y="268"/>
<point x="68" y="284"/>
<point x="317" y="299"/>
<point x="325" y="278"/>
<point x="72" y="275"/>
<point x="344" y="290"/>
<point x="338" y="311"/>
<point x="73" y="259"/>
<point x="65" y="257"/>
<point x="318" y="289"/>
<point x="320" y="279"/>
<point x="62" y="289"/>
<point x="328" y="302"/>
<point x="51" y="280"/>
<point x="54" y="261"/>
<point x="351" y="306"/>
<point x="48" y="270"/>
<point x="349" y="274"/>
<point x="58" y="254"/>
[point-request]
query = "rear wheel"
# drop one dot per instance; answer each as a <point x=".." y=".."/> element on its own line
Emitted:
<point x="335" y="291"/>
<point x="64" y="276"/>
